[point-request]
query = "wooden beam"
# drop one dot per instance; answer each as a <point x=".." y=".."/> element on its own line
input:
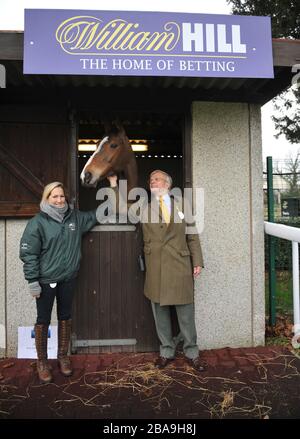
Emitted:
<point x="19" y="171"/>
<point x="286" y="53"/>
<point x="15" y="209"/>
<point x="31" y="88"/>
<point x="11" y="45"/>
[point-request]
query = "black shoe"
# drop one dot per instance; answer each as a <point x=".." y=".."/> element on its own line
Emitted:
<point x="162" y="362"/>
<point x="198" y="364"/>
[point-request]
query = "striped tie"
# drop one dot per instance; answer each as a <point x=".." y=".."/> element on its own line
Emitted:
<point x="164" y="210"/>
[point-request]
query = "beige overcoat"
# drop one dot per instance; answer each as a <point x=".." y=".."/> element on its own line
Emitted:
<point x="170" y="255"/>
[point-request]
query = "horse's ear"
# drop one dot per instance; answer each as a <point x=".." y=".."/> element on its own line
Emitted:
<point x="107" y="127"/>
<point x="117" y="129"/>
<point x="113" y="127"/>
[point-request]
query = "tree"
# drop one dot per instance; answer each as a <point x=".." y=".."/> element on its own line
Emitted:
<point x="287" y="119"/>
<point x="285" y="16"/>
<point x="291" y="175"/>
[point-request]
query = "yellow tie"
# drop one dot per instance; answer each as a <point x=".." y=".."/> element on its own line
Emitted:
<point x="164" y="210"/>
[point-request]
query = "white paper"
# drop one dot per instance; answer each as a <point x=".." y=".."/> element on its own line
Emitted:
<point x="26" y="342"/>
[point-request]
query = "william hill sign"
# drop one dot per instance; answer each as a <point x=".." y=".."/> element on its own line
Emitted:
<point x="146" y="44"/>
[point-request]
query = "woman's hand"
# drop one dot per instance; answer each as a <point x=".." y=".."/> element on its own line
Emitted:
<point x="34" y="289"/>
<point x="112" y="180"/>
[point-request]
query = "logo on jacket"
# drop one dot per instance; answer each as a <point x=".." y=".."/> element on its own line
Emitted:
<point x="72" y="227"/>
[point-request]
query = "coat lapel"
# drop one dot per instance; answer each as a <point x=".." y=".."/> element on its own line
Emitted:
<point x="154" y="212"/>
<point x="155" y="215"/>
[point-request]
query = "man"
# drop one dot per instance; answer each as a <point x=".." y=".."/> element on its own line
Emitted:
<point x="172" y="259"/>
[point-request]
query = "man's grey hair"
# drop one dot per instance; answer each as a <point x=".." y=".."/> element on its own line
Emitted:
<point x="168" y="177"/>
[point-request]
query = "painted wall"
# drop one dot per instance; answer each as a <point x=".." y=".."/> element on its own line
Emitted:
<point x="227" y="164"/>
<point x="20" y="306"/>
<point x="2" y="290"/>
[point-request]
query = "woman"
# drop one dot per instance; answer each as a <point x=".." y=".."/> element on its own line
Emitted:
<point x="51" y="252"/>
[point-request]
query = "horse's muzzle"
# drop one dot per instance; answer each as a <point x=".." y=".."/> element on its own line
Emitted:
<point x="87" y="178"/>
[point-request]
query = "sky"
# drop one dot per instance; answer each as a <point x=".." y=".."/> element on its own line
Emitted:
<point x="12" y="18"/>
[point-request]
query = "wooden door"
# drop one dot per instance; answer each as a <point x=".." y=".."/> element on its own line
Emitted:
<point x="34" y="150"/>
<point x="111" y="312"/>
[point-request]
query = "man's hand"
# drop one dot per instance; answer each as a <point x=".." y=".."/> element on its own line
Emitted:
<point x="197" y="270"/>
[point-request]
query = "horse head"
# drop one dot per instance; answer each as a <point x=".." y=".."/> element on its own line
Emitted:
<point x="113" y="155"/>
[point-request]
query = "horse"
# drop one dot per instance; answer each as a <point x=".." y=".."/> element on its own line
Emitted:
<point x="113" y="155"/>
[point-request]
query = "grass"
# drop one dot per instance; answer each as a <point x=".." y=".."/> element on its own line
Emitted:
<point x="281" y="340"/>
<point x="281" y="334"/>
<point x="278" y="341"/>
<point x="284" y="292"/>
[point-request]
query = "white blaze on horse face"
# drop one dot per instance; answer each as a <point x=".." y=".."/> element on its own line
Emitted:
<point x="104" y="140"/>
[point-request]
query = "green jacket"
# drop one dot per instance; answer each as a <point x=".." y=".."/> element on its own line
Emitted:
<point x="51" y="251"/>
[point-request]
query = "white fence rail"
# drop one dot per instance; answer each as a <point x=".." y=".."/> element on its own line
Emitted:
<point x="291" y="234"/>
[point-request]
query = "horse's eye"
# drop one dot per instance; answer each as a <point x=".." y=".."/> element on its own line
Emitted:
<point x="114" y="145"/>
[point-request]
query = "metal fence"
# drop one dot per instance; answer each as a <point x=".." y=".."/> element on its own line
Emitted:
<point x="281" y="205"/>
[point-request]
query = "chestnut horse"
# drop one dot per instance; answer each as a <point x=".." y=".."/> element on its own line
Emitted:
<point x="113" y="155"/>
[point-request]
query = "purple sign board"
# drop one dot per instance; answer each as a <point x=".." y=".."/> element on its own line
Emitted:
<point x="76" y="42"/>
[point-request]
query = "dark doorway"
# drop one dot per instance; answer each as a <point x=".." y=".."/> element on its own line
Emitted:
<point x="111" y="312"/>
<point x="161" y="132"/>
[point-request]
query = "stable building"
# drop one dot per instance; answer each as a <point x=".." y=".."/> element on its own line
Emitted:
<point x="200" y="123"/>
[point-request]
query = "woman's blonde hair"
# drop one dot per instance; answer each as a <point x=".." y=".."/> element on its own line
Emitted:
<point x="49" y="188"/>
